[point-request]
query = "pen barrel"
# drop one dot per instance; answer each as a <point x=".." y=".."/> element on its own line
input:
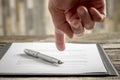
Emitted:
<point x="42" y="56"/>
<point x="47" y="58"/>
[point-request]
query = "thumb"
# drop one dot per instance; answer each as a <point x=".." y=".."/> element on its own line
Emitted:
<point x="59" y="37"/>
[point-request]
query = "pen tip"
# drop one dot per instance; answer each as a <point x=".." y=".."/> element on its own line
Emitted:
<point x="60" y="62"/>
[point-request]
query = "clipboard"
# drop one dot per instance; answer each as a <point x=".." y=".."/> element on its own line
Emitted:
<point x="111" y="71"/>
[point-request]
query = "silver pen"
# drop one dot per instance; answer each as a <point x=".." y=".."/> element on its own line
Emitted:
<point x="42" y="56"/>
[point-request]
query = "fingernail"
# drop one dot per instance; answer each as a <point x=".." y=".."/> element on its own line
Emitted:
<point x="61" y="47"/>
<point x="78" y="35"/>
<point x="88" y="26"/>
<point x="75" y="24"/>
<point x="80" y="11"/>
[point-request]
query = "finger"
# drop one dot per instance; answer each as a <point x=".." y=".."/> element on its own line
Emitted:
<point x="77" y="27"/>
<point x="75" y="23"/>
<point x="66" y="28"/>
<point x="59" y="37"/>
<point x="59" y="21"/>
<point x="86" y="19"/>
<point x="96" y="15"/>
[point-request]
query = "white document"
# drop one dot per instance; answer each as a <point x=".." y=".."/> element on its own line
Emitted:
<point x="77" y="58"/>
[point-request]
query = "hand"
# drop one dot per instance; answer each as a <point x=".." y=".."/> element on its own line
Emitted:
<point x="74" y="16"/>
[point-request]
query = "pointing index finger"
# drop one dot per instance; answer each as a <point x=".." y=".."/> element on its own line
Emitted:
<point x="59" y="37"/>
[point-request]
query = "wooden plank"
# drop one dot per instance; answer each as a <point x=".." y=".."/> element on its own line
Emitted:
<point x="29" y="17"/>
<point x="111" y="46"/>
<point x="38" y="19"/>
<point x="13" y="16"/>
<point x="4" y="17"/>
<point x="21" y="17"/>
<point x="112" y="38"/>
<point x="99" y="38"/>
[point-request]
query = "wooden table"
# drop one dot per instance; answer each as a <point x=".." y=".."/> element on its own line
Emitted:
<point x="110" y="42"/>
